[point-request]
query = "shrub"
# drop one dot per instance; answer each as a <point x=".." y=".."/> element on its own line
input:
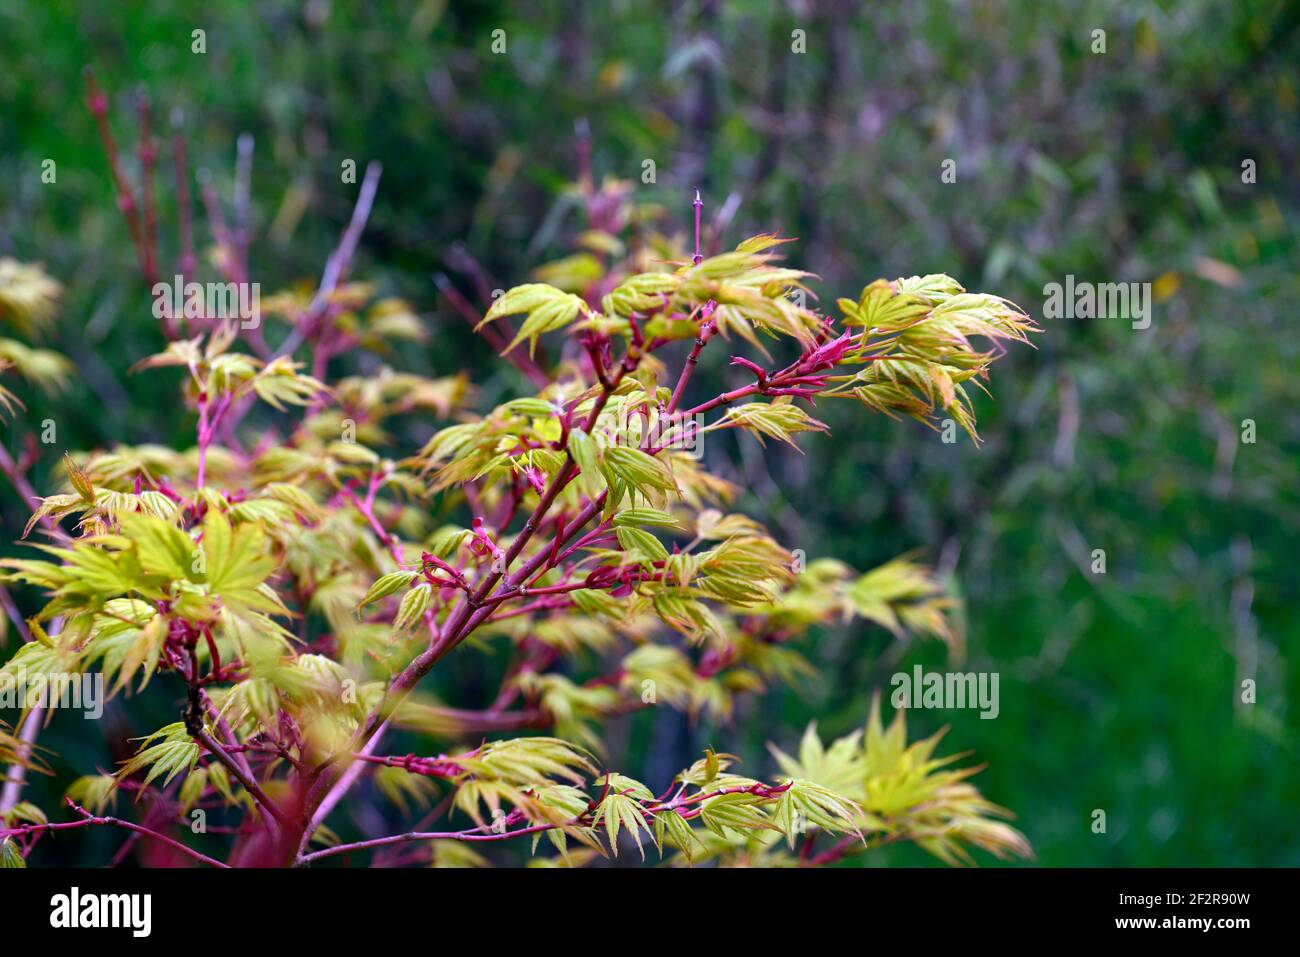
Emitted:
<point x="298" y="581"/>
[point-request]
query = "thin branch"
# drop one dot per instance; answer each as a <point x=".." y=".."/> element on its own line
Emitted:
<point x="336" y="266"/>
<point x="699" y="205"/>
<point x="98" y="104"/>
<point x="367" y="509"/>
<point x="707" y="328"/>
<point x="17" y="773"/>
<point x="16" y="776"/>
<point x="495" y="337"/>
<point x="472" y="834"/>
<point x="92" y="820"/>
<point x="226" y="732"/>
<point x="28" y="494"/>
<point x="850" y="843"/>
<point x="147" y="151"/>
<point x="473" y="610"/>
<point x="250" y="785"/>
<point x="323" y="789"/>
<point x="15" y="616"/>
<point x="217" y="223"/>
<point x="184" y="201"/>
<point x="336" y="792"/>
<point x="243" y="182"/>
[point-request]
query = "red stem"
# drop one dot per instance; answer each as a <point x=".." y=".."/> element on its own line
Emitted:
<point x="184" y="204"/>
<point x="91" y="820"/>
<point x="99" y="107"/>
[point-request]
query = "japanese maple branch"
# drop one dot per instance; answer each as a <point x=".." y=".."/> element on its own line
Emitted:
<point x="498" y="339"/>
<point x="466" y="616"/>
<point x="470" y="834"/>
<point x="98" y="104"/>
<point x="849" y="844"/>
<point x="707" y="328"/>
<point x="250" y="785"/>
<point x="184" y="203"/>
<point x="487" y="832"/>
<point x="28" y="494"/>
<point x="475" y="608"/>
<point x="148" y="155"/>
<point x="336" y="266"/>
<point x="209" y="417"/>
<point x="227" y="733"/>
<point x="17" y="772"/>
<point x="92" y="820"/>
<point x="366" y="507"/>
<point x="706" y="325"/>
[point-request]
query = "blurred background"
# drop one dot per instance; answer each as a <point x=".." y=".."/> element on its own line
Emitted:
<point x="1119" y="691"/>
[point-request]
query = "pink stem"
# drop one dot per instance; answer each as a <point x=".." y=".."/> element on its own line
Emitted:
<point x="91" y="820"/>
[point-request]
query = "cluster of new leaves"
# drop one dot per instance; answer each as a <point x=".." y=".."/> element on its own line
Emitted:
<point x="919" y="330"/>
<point x="27" y="300"/>
<point x="904" y="792"/>
<point x="297" y="585"/>
<point x="546" y="786"/>
<point x="11" y="751"/>
<point x="865" y="790"/>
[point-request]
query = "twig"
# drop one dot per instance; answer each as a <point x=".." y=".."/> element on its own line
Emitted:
<point x="707" y="328"/>
<point x="184" y="202"/>
<point x="28" y="494"/>
<point x="845" y="844"/>
<point x="16" y="616"/>
<point x="493" y="336"/>
<point x="243" y="181"/>
<point x="467" y="616"/>
<point x="148" y="154"/>
<point x="336" y="792"/>
<point x="336" y="266"/>
<point x="471" y="834"/>
<point x="707" y="325"/>
<point x="17" y="773"/>
<point x="217" y="223"/>
<point x="250" y="785"/>
<point x="91" y="820"/>
<point x="99" y="107"/>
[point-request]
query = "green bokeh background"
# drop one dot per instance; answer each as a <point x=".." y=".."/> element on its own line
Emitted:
<point x="1120" y="691"/>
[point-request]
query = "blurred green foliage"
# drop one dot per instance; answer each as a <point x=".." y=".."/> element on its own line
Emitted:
<point x="1120" y="691"/>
